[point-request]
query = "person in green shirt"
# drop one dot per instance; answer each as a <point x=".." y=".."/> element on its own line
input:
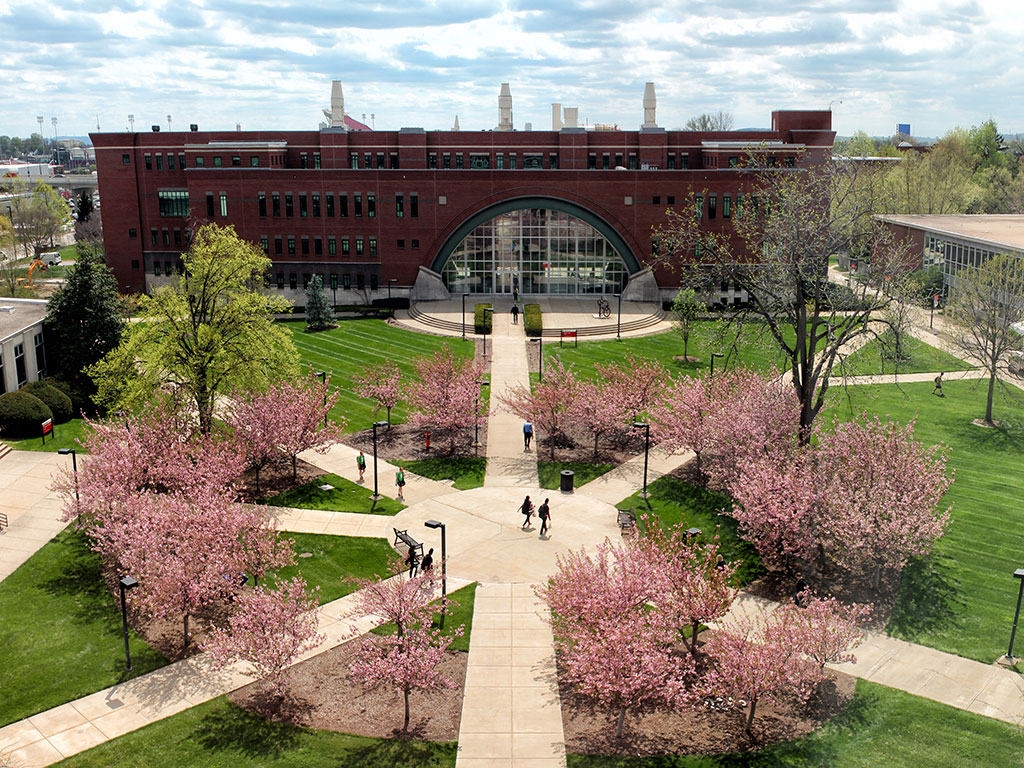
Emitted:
<point x="361" y="465"/>
<point x="400" y="482"/>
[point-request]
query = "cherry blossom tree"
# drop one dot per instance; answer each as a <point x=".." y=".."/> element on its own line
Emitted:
<point x="639" y="382"/>
<point x="255" y="424"/>
<point x="821" y="627"/>
<point x="269" y="629"/>
<point x="685" y="419"/>
<point x="598" y="408"/>
<point x="260" y="549"/>
<point x="398" y="600"/>
<point x="446" y="395"/>
<point x="550" y="404"/>
<point x="304" y="405"/>
<point x="381" y="383"/>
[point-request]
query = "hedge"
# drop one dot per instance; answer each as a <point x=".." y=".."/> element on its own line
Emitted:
<point x="482" y="320"/>
<point x="533" y="319"/>
<point x="80" y="392"/>
<point x="58" y="402"/>
<point x="22" y="415"/>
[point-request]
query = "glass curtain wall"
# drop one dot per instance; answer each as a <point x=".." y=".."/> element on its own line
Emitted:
<point x="536" y="251"/>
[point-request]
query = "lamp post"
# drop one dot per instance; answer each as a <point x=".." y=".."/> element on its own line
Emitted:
<point x="647" y="446"/>
<point x="463" y="315"/>
<point x="444" y="566"/>
<point x="540" y="357"/>
<point x="390" y="281"/>
<point x="323" y="380"/>
<point x="618" y="323"/>
<point x="74" y="468"/>
<point x="486" y="310"/>
<point x="126" y="583"/>
<point x="713" y="356"/>
<point x="376" y="493"/>
<point x="1019" y="575"/>
<point x="476" y="423"/>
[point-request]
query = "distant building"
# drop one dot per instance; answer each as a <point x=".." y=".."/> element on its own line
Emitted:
<point x="22" y="350"/>
<point x="567" y="211"/>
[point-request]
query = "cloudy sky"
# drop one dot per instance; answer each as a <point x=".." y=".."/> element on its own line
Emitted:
<point x="267" y="64"/>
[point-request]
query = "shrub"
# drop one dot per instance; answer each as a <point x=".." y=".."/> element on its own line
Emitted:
<point x="80" y="392"/>
<point x="481" y="319"/>
<point x="22" y="414"/>
<point x="533" y="319"/>
<point x="58" y="402"/>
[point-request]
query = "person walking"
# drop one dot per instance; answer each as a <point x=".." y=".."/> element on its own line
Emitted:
<point x="400" y="482"/>
<point x="527" y="434"/>
<point x="544" y="513"/>
<point x="515" y="295"/>
<point x="515" y="314"/>
<point x="412" y="561"/>
<point x="427" y="562"/>
<point x="938" y="385"/>
<point x="361" y="465"/>
<point x="527" y="510"/>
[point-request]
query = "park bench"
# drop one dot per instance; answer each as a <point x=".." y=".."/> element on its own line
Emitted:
<point x="627" y="521"/>
<point x="409" y="541"/>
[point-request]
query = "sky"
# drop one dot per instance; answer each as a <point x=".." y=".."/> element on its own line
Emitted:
<point x="268" y="64"/>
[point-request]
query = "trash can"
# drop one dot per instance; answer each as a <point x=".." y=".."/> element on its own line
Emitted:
<point x="567" y="480"/>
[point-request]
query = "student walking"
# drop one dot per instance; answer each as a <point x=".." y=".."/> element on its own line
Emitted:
<point x="938" y="385"/>
<point x="412" y="561"/>
<point x="400" y="482"/>
<point x="515" y="314"/>
<point x="527" y="434"/>
<point x="427" y="562"/>
<point x="361" y="465"/>
<point x="527" y="510"/>
<point x="515" y="295"/>
<point x="544" y="513"/>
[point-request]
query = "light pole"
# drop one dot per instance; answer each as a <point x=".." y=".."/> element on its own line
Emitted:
<point x="486" y="310"/>
<point x="131" y="122"/>
<point x="618" y="323"/>
<point x="444" y="566"/>
<point x="376" y="493"/>
<point x="126" y="583"/>
<point x="1019" y="575"/>
<point x="647" y="446"/>
<point x="463" y="315"/>
<point x="323" y="380"/>
<point x="390" y="281"/>
<point x="713" y="356"/>
<point x="540" y="357"/>
<point x="74" y="468"/>
<point x="334" y="289"/>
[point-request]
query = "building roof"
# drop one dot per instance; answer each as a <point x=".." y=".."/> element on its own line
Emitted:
<point x="18" y="314"/>
<point x="998" y="229"/>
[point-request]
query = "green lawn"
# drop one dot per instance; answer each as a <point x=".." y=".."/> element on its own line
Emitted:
<point x="346" y="496"/>
<point x="60" y="631"/>
<point x="64" y="436"/>
<point x="673" y="500"/>
<point x="458" y="615"/>
<point x="466" y="472"/>
<point x="334" y="559"/>
<point x="880" y="727"/>
<point x="357" y="343"/>
<point x="219" y="734"/>
<point x="550" y="472"/>
<point x="961" y="599"/>
<point x="922" y="358"/>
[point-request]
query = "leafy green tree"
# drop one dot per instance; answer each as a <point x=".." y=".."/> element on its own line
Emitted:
<point x="685" y="309"/>
<point x="940" y="181"/>
<point x="38" y="214"/>
<point x="84" y="206"/>
<point x="84" y="317"/>
<point x="986" y="146"/>
<point x="319" y="313"/>
<point x="208" y="333"/>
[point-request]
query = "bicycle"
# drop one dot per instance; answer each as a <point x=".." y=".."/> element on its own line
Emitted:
<point x="604" y="309"/>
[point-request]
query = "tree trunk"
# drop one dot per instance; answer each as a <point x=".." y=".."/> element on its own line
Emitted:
<point x="750" y="715"/>
<point x="988" y="403"/>
<point x="620" y="722"/>
<point x="595" y="446"/>
<point x="257" y="481"/>
<point x="878" y="576"/>
<point x="389" y="416"/>
<point x="686" y="341"/>
<point x="552" y="438"/>
<point x="186" y="631"/>
<point x="694" y="631"/>
<point x="405" y="728"/>
<point x="295" y="470"/>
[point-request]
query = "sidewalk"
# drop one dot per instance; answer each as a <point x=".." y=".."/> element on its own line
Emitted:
<point x="628" y="478"/>
<point x="33" y="510"/>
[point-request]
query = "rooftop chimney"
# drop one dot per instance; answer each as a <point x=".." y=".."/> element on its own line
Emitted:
<point x="571" y="117"/>
<point x="336" y="114"/>
<point x="456" y="126"/>
<point x="650" y="105"/>
<point x="504" y="108"/>
<point x="556" y="117"/>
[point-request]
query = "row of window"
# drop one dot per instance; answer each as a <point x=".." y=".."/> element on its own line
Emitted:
<point x="20" y="370"/>
<point x="330" y="283"/>
<point x="164" y="236"/>
<point x="314" y="205"/>
<point x="358" y="246"/>
<point x="174" y="162"/>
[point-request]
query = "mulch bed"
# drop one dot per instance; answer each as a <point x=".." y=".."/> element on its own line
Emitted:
<point x="613" y="448"/>
<point x="403" y="442"/>
<point x="322" y="694"/>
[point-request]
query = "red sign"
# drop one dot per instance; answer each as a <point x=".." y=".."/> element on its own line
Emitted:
<point x="568" y="334"/>
<point x="935" y="300"/>
<point x="48" y="426"/>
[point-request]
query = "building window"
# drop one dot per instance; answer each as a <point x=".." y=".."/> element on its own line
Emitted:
<point x="278" y="245"/>
<point x="318" y="245"/>
<point x="126" y="159"/>
<point x="606" y="161"/>
<point x="19" y="365"/>
<point x="414" y="205"/>
<point x="265" y="244"/>
<point x="200" y="161"/>
<point x="371" y="206"/>
<point x="316" y="206"/>
<point x="275" y="200"/>
<point x="656" y="200"/>
<point x="223" y="204"/>
<point x="394" y="160"/>
<point x="254" y="162"/>
<point x="511" y="162"/>
<point x="698" y="203"/>
<point x="401" y="243"/>
<point x="303" y="206"/>
<point x="305" y="245"/>
<point x="332" y="245"/>
<point x="592" y="162"/>
<point x="280" y="281"/>
<point x="373" y="281"/>
<point x="181" y="160"/>
<point x="359" y="246"/>
<point x="479" y="161"/>
<point x="399" y="205"/>
<point x="293" y="280"/>
<point x="712" y="206"/>
<point x="671" y="161"/>
<point x="353" y="160"/>
<point x="165" y="236"/>
<point x="170" y="162"/>
<point x="380" y="161"/>
<point x="334" y="281"/>
<point x="154" y="236"/>
<point x="135" y="264"/>
<point x="447" y="160"/>
<point x="499" y="162"/>
<point x="533" y="161"/>
<point x="40" y="355"/>
<point x="346" y="281"/>
<point x="734" y="161"/>
<point x="671" y="200"/>
<point x="218" y="161"/>
<point x="209" y="204"/>
<point x="790" y="161"/>
<point x="373" y="246"/>
<point x="330" y="206"/>
<point x="132" y="234"/>
<point x="289" y="205"/>
<point x="432" y="160"/>
<point x="553" y="161"/>
<point x="618" y="161"/>
<point x="236" y="161"/>
<point x="344" y="246"/>
<point x="414" y="244"/>
<point x="261" y="199"/>
<point x="291" y="245"/>
<point x="303" y="160"/>
<point x="157" y="266"/>
<point x="149" y="161"/>
<point x="367" y="160"/>
<point x="458" y="161"/>
<point x="177" y="236"/>
<point x="360" y="281"/>
<point x="316" y="160"/>
<point x="173" y="202"/>
<point x="632" y="162"/>
<point x="343" y="205"/>
<point x="159" y="162"/>
<point x="726" y="206"/>
<point x="357" y="205"/>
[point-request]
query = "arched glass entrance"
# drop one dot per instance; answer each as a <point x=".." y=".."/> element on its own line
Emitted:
<point x="536" y="250"/>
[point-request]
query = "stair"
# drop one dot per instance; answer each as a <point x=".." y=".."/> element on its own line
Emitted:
<point x="415" y="313"/>
<point x="595" y="330"/>
<point x="4" y="449"/>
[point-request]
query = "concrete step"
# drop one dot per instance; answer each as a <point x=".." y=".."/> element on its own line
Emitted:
<point x="4" y="449"/>
<point x="596" y="330"/>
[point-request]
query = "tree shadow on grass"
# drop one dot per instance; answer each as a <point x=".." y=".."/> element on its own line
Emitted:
<point x="401" y="752"/>
<point x="928" y="599"/>
<point x="80" y="577"/>
<point x="233" y="729"/>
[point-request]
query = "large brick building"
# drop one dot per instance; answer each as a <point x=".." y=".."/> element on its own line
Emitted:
<point x="562" y="211"/>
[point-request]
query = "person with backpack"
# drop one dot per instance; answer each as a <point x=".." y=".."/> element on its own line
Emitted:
<point x="544" y="513"/>
<point x="361" y="465"/>
<point x="527" y="434"/>
<point x="400" y="482"/>
<point x="527" y="509"/>
<point x="427" y="562"/>
<point x="515" y="314"/>
<point x="938" y="385"/>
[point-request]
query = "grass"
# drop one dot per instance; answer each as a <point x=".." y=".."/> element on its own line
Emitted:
<point x="961" y="599"/>
<point x="880" y="727"/>
<point x="360" y="342"/>
<point x="550" y="472"/>
<point x="466" y="472"/>
<point x="675" y="501"/>
<point x="459" y="614"/>
<point x="60" y="631"/>
<point x="219" y="734"/>
<point x="921" y="358"/>
<point x="336" y="559"/>
<point x="64" y="436"/>
<point x="346" y="496"/>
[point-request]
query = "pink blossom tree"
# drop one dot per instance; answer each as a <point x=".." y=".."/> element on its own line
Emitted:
<point x="404" y="602"/>
<point x="640" y="383"/>
<point x="446" y="394"/>
<point x="821" y="627"/>
<point x="550" y="404"/>
<point x="686" y="417"/>
<point x="255" y="421"/>
<point x="260" y="548"/>
<point x="304" y="405"/>
<point x="597" y="409"/>
<point x="269" y="629"/>
<point x="381" y="383"/>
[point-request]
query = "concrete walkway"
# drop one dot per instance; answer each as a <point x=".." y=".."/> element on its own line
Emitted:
<point x="508" y="465"/>
<point x="628" y="478"/>
<point x="33" y="511"/>
<point x="511" y="712"/>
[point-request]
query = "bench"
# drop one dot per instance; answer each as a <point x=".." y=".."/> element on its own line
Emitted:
<point x="627" y="521"/>
<point x="409" y="541"/>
